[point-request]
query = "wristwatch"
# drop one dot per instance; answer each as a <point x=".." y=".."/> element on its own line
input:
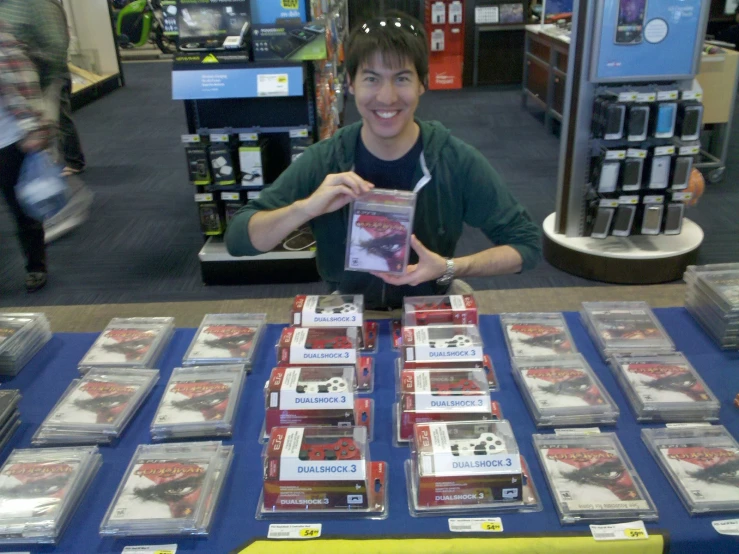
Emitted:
<point x="446" y="279"/>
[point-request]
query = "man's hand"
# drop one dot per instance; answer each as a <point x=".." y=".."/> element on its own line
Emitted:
<point x="430" y="267"/>
<point x="336" y="191"/>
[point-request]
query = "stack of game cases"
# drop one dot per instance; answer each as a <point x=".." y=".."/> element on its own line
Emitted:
<point x="625" y="328"/>
<point x="226" y="339"/>
<point x="10" y="416"/>
<point x="712" y="298"/>
<point x="199" y="402"/>
<point x="129" y="342"/>
<point x="169" y="489"/>
<point x="40" y="489"/>
<point x="21" y="336"/>
<point x="96" y="408"/>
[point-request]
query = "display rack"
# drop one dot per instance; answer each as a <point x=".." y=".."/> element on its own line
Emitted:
<point x="616" y="69"/>
<point x="276" y="107"/>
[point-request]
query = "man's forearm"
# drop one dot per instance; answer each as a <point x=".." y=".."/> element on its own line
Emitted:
<point x="267" y="229"/>
<point x="499" y="260"/>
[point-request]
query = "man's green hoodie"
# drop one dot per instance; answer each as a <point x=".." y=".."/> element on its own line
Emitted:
<point x="460" y="187"/>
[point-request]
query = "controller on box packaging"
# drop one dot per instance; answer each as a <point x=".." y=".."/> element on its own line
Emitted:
<point x="443" y="343"/>
<point x="321" y="468"/>
<point x="334" y="310"/>
<point x="440" y="310"/>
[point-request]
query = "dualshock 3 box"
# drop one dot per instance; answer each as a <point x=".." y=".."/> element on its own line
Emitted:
<point x="443" y="343"/>
<point x="315" y="395"/>
<point x="322" y="469"/>
<point x="318" y="346"/>
<point x="455" y="309"/>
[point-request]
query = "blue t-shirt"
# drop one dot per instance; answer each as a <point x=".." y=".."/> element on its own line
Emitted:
<point x="393" y="174"/>
<point x="10" y="133"/>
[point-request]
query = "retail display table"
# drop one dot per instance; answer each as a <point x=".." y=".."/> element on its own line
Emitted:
<point x="44" y="380"/>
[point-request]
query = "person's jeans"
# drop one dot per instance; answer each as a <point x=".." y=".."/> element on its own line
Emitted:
<point x="30" y="231"/>
<point x="69" y="140"/>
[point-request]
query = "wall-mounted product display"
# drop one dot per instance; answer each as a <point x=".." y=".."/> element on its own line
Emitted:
<point x="640" y="39"/>
<point x="445" y="29"/>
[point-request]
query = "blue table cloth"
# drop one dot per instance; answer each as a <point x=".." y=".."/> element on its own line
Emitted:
<point x="46" y="377"/>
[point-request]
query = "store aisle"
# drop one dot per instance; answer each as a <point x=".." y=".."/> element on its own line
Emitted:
<point x="142" y="239"/>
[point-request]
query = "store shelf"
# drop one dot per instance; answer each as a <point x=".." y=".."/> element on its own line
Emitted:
<point x="214" y="250"/>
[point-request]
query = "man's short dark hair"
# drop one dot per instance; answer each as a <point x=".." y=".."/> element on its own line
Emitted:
<point x="396" y="36"/>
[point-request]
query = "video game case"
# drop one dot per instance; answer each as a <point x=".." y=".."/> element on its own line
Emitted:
<point x="22" y="335"/>
<point x="40" y="489"/>
<point x="96" y="408"/>
<point x="700" y="464"/>
<point x="454" y="309"/>
<point x="664" y="388"/>
<point x="722" y="287"/>
<point x="226" y="339"/>
<point x="199" y="401"/>
<point x="460" y="467"/>
<point x="533" y="335"/>
<point x="168" y="489"/>
<point x="592" y="479"/>
<point x="133" y="342"/>
<point x="625" y="328"/>
<point x="563" y="391"/>
<point x="323" y="470"/>
<point x="442" y="343"/>
<point x="9" y="399"/>
<point x="379" y="234"/>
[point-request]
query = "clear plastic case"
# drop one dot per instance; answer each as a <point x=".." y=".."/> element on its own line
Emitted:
<point x="315" y="395"/>
<point x="664" y="388"/>
<point x="712" y="298"/>
<point x="452" y="309"/>
<point x="226" y="339"/>
<point x="700" y="464"/>
<point x="536" y="335"/>
<point x="40" y="489"/>
<point x="96" y="408"/>
<point x="22" y="335"/>
<point x="132" y="342"/>
<point x="199" y="402"/>
<point x="322" y="470"/>
<point x="625" y="328"/>
<point x="443" y="343"/>
<point x="169" y="489"/>
<point x="467" y="467"/>
<point x="592" y="479"/>
<point x="379" y="233"/>
<point x="563" y="391"/>
<point x="427" y="395"/>
<point x="335" y="310"/>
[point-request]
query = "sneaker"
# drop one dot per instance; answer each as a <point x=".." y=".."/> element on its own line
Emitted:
<point x="35" y="280"/>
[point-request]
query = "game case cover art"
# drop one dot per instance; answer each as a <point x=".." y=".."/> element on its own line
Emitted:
<point x="537" y="339"/>
<point x="224" y="341"/>
<point x="10" y="326"/>
<point x="658" y="382"/>
<point x="626" y="326"/>
<point x="561" y="387"/>
<point x="379" y="241"/>
<point x="122" y="345"/>
<point x="591" y="478"/>
<point x="93" y="401"/>
<point x="728" y="286"/>
<point x="161" y="489"/>
<point x="35" y="489"/>
<point x="707" y="473"/>
<point x="194" y="401"/>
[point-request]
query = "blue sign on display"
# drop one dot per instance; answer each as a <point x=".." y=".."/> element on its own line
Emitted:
<point x="648" y="39"/>
<point x="216" y="83"/>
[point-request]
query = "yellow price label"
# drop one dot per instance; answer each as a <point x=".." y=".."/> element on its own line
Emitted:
<point x="635" y="534"/>
<point x="290" y="4"/>
<point x="309" y="532"/>
<point x="282" y="79"/>
<point x="168" y="551"/>
<point x="491" y="526"/>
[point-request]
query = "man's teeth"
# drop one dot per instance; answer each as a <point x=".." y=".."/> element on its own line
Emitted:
<point x="386" y="115"/>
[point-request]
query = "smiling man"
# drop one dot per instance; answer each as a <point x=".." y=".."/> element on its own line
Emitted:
<point x="387" y="68"/>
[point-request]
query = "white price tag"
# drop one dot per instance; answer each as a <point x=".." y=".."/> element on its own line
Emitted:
<point x="667" y="95"/>
<point x="726" y="526"/>
<point x="604" y="203"/>
<point x="664" y="150"/>
<point x="273" y="84"/>
<point x="631" y="531"/>
<point x="252" y="194"/>
<point x="628" y="199"/>
<point x="615" y="154"/>
<point x="646" y="97"/>
<point x="218" y="138"/>
<point x="298" y="133"/>
<point x="151" y="549"/>
<point x="475" y="525"/>
<point x="686" y="425"/>
<point x="572" y="431"/>
<point x="627" y="96"/>
<point x="689" y="150"/>
<point x="189" y="139"/>
<point x="204" y="197"/>
<point x="294" y="531"/>
<point x="230" y="196"/>
<point x="636" y="153"/>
